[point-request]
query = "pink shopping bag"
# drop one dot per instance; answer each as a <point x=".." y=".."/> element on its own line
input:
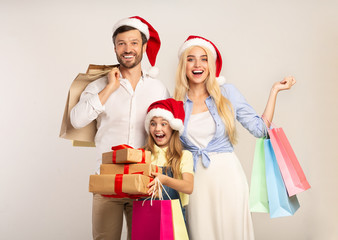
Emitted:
<point x="152" y="220"/>
<point x="293" y="175"/>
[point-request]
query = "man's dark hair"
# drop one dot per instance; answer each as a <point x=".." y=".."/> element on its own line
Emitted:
<point x="125" y="28"/>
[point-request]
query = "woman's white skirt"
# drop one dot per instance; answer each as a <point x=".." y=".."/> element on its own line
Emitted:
<point x="219" y="205"/>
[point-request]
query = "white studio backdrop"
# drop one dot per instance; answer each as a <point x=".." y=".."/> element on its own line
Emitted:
<point x="44" y="45"/>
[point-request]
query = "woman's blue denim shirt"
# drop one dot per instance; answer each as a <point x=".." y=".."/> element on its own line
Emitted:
<point x="244" y="113"/>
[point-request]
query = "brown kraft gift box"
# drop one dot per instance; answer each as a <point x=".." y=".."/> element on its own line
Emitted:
<point x="127" y="155"/>
<point x="131" y="184"/>
<point x="144" y="169"/>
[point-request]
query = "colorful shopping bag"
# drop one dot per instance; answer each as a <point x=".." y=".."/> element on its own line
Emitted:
<point x="258" y="190"/>
<point x="280" y="204"/>
<point x="293" y="175"/>
<point x="180" y="230"/>
<point x="152" y="220"/>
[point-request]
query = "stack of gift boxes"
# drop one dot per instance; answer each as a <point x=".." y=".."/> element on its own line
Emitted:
<point x="124" y="173"/>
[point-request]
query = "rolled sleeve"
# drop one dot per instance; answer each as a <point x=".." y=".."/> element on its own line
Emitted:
<point x="245" y="113"/>
<point x="187" y="163"/>
<point x="87" y="109"/>
<point x="256" y="127"/>
<point x="96" y="104"/>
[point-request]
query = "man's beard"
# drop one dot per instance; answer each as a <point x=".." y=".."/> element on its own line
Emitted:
<point x="138" y="59"/>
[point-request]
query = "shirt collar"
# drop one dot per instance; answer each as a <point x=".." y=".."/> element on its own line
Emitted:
<point x="187" y="99"/>
<point x="144" y="75"/>
<point x="158" y="149"/>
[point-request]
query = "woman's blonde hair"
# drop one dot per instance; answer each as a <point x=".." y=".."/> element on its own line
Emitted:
<point x="173" y="154"/>
<point x="224" y="106"/>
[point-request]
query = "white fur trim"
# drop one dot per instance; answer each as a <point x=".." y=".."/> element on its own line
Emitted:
<point x="157" y="112"/>
<point x="133" y="22"/>
<point x="197" y="42"/>
<point x="175" y="124"/>
<point x="221" y="80"/>
<point x="153" y="72"/>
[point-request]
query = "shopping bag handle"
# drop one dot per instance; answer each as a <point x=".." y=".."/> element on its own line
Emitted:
<point x="159" y="187"/>
<point x="271" y="123"/>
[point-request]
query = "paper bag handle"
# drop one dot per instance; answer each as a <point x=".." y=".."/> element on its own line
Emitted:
<point x="159" y="187"/>
<point x="271" y="123"/>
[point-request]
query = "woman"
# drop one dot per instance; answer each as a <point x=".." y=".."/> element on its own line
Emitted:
<point x="218" y="208"/>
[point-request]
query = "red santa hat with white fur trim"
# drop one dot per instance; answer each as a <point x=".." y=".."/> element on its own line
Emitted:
<point x="203" y="42"/>
<point x="153" y="44"/>
<point x="169" y="109"/>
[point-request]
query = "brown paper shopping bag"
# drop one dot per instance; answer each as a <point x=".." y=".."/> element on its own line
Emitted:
<point x="84" y="136"/>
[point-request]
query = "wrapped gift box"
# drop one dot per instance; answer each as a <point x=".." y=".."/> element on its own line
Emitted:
<point x="127" y="155"/>
<point x="144" y="169"/>
<point x="119" y="184"/>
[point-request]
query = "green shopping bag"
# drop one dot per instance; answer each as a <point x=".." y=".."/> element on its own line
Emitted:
<point x="258" y="189"/>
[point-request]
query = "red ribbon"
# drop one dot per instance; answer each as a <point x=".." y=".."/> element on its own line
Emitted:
<point x="126" y="169"/>
<point x="118" y="184"/>
<point x="114" y="157"/>
<point x="119" y="147"/>
<point x="124" y="146"/>
<point x="120" y="194"/>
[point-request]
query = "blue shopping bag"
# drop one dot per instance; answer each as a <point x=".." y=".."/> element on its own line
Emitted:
<point x="280" y="204"/>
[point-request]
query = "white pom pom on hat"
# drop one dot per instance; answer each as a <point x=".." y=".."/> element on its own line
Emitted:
<point x="153" y="71"/>
<point x="221" y="80"/>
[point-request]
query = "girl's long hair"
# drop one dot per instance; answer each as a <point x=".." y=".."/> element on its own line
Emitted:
<point x="224" y="106"/>
<point x="174" y="152"/>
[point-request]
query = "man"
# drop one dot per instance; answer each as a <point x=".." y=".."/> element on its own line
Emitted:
<point x="119" y="103"/>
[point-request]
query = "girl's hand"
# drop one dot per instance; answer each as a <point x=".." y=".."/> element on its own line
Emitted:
<point x="152" y="184"/>
<point x="285" y="84"/>
<point x="160" y="177"/>
<point x="152" y="187"/>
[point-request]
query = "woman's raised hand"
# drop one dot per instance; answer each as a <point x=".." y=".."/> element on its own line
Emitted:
<point x="285" y="84"/>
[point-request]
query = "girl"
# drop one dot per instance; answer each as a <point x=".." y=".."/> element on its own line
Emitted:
<point x="164" y="125"/>
<point x="218" y="208"/>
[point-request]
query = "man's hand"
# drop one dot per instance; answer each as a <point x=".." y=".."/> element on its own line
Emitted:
<point x="113" y="79"/>
<point x="112" y="85"/>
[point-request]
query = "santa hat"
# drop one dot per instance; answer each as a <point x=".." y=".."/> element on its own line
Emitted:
<point x="203" y="42"/>
<point x="169" y="109"/>
<point x="153" y="44"/>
